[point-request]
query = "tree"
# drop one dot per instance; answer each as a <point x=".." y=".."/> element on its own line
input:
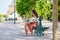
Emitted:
<point x="24" y="6"/>
<point x="59" y="10"/>
<point x="44" y="8"/>
<point x="1" y="15"/>
<point x="55" y="19"/>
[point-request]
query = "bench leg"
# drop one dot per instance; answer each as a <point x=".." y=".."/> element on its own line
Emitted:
<point x="41" y="33"/>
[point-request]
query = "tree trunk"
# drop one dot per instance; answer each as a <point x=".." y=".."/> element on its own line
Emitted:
<point x="55" y="19"/>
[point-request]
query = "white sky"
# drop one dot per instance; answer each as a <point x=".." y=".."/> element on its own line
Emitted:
<point x="4" y="4"/>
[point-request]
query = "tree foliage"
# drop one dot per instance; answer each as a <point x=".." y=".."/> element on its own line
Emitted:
<point x="43" y="7"/>
<point x="1" y="15"/>
<point x="59" y="10"/>
<point x="24" y="6"/>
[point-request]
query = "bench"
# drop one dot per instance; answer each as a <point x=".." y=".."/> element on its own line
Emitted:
<point x="41" y="31"/>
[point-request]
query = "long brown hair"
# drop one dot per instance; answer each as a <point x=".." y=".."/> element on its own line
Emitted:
<point x="35" y="13"/>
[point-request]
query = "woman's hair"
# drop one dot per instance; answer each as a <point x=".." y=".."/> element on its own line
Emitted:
<point x="35" y="13"/>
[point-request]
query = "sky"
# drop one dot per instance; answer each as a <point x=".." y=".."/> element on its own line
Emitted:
<point x="4" y="5"/>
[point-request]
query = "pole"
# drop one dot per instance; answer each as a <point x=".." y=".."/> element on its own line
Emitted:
<point x="14" y="11"/>
<point x="55" y="19"/>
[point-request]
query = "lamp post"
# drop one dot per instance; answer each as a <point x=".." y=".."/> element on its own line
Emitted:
<point x="14" y="10"/>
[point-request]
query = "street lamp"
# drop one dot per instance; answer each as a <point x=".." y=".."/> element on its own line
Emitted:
<point x="14" y="10"/>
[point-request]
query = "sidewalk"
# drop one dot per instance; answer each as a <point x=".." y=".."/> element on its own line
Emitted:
<point x="11" y="31"/>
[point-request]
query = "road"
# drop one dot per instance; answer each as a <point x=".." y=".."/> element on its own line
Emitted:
<point x="11" y="31"/>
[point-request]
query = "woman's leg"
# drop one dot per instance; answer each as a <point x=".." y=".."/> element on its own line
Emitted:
<point x="26" y="29"/>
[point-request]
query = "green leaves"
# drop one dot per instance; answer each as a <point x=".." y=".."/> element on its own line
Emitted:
<point x="43" y="7"/>
<point x="1" y="15"/>
<point x="59" y="10"/>
<point x="24" y="6"/>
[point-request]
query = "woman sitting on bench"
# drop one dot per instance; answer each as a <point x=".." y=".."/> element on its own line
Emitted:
<point x="32" y="25"/>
